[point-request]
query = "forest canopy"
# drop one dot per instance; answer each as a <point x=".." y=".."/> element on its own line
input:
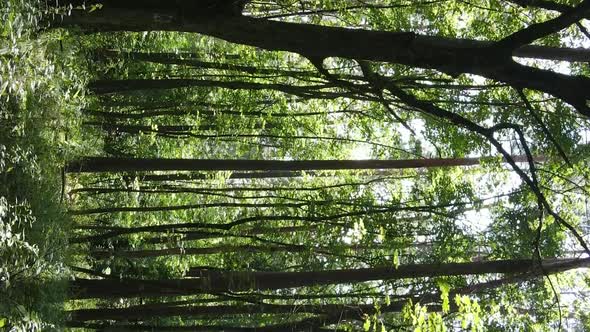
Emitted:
<point x="335" y="165"/>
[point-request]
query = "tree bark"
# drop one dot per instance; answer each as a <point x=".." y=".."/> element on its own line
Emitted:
<point x="172" y="130"/>
<point x="314" y="91"/>
<point x="349" y="311"/>
<point x="144" y="209"/>
<point x="222" y="249"/>
<point x="549" y="5"/>
<point x="453" y="56"/>
<point x="234" y="175"/>
<point x="192" y="60"/>
<point x="207" y="281"/>
<point x="113" y="164"/>
<point x="103" y="327"/>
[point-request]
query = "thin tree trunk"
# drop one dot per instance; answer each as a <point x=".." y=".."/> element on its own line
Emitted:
<point x="164" y="189"/>
<point x="192" y="236"/>
<point x="160" y="129"/>
<point x="315" y="91"/>
<point x="103" y="327"/>
<point x="139" y="312"/>
<point x="249" y="233"/>
<point x="222" y="249"/>
<point x="192" y="60"/>
<point x="272" y="174"/>
<point x="143" y="209"/>
<point x="209" y="113"/>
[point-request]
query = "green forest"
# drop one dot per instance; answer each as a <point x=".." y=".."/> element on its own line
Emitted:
<point x="294" y="165"/>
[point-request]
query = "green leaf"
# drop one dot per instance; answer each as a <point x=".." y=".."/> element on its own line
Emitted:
<point x="367" y="324"/>
<point x="95" y="7"/>
<point x="382" y="234"/>
<point x="407" y="310"/>
<point x="444" y="295"/>
<point x="3" y="322"/>
<point x="21" y="309"/>
<point x="396" y="258"/>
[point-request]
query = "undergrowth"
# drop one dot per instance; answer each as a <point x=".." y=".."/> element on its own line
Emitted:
<point x="41" y="93"/>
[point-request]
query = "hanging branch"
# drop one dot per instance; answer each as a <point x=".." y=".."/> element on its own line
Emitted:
<point x="487" y="133"/>
<point x="318" y="63"/>
<point x="543" y="127"/>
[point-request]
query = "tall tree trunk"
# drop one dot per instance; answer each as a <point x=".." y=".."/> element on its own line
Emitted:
<point x="113" y="164"/>
<point x="163" y="189"/>
<point x="103" y="327"/>
<point x="454" y="56"/>
<point x="179" y="130"/>
<point x="314" y="91"/>
<point x="351" y="310"/>
<point x="222" y="249"/>
<point x="207" y="281"/>
<point x="272" y="174"/>
<point x="192" y="60"/>
<point x="202" y="8"/>
<point x="141" y="209"/>
<point x="209" y="113"/>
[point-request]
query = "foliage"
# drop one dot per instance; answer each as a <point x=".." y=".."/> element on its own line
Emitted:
<point x="69" y="94"/>
<point x="40" y="91"/>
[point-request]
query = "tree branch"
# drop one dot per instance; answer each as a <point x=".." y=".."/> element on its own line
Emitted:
<point x="488" y="133"/>
<point x="543" y="127"/>
<point x="538" y="30"/>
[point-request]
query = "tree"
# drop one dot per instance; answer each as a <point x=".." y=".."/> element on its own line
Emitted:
<point x="488" y="59"/>
<point x="102" y="164"/>
<point x="206" y="281"/>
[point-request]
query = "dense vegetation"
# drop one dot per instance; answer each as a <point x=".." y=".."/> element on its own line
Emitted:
<point x="337" y="165"/>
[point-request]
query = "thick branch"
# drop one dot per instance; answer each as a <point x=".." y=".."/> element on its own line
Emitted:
<point x="539" y="30"/>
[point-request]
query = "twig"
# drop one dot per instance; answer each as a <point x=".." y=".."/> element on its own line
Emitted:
<point x="537" y="245"/>
<point x="370" y="75"/>
<point x="543" y="127"/>
<point x="488" y="133"/>
<point x="583" y="29"/>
